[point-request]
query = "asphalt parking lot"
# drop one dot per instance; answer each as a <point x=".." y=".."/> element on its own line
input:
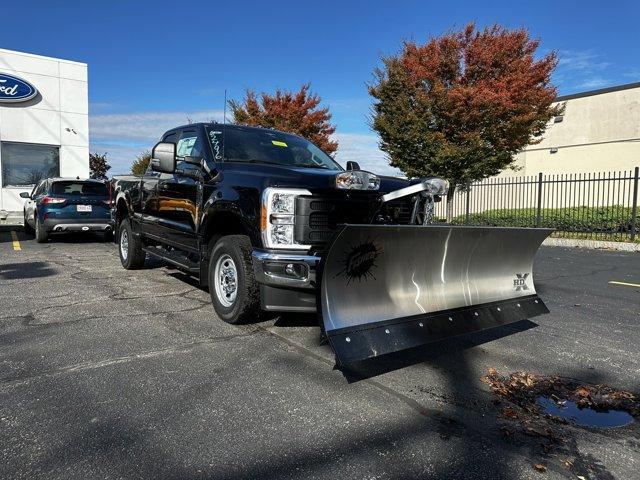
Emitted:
<point x="108" y="373"/>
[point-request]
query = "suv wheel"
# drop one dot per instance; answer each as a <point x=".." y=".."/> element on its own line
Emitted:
<point x="130" y="247"/>
<point x="41" y="233"/>
<point x="234" y="291"/>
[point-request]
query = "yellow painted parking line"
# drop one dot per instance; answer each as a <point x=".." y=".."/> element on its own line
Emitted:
<point x="625" y="284"/>
<point x="16" y="242"/>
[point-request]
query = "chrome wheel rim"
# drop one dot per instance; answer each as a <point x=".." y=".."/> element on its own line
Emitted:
<point x="124" y="244"/>
<point x="226" y="280"/>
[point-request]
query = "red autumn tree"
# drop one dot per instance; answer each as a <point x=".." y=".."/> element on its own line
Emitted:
<point x="297" y="113"/>
<point x="463" y="104"/>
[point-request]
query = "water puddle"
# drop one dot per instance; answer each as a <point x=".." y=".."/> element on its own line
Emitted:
<point x="586" y="417"/>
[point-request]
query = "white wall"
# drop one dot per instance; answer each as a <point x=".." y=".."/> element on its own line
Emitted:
<point x="598" y="133"/>
<point x="59" y="115"/>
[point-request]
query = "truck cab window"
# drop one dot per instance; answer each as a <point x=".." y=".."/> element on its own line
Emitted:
<point x="171" y="137"/>
<point x="190" y="144"/>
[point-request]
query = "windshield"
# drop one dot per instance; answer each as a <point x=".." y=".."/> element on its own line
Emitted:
<point x="79" y="188"/>
<point x="264" y="146"/>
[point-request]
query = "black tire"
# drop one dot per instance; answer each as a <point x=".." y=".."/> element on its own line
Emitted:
<point x="28" y="229"/>
<point x="245" y="307"/>
<point x="131" y="254"/>
<point x="41" y="234"/>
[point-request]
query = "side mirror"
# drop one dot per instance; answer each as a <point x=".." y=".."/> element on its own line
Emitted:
<point x="351" y="165"/>
<point x="25" y="195"/>
<point x="163" y="157"/>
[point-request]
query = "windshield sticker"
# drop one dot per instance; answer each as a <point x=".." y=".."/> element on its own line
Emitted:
<point x="185" y="146"/>
<point x="278" y="143"/>
<point x="215" y="144"/>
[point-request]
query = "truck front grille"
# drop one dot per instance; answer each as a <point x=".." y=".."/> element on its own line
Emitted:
<point x="317" y="218"/>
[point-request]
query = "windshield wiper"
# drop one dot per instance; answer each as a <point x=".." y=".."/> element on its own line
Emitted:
<point x="298" y="165"/>
<point x="306" y="165"/>
<point x="254" y="160"/>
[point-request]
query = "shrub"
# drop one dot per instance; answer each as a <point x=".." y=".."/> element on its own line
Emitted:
<point x="611" y="219"/>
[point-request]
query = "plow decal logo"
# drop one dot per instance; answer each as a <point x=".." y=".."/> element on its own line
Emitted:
<point x="520" y="282"/>
<point x="360" y="261"/>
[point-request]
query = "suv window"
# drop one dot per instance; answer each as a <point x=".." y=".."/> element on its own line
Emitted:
<point x="79" y="188"/>
<point x="40" y="189"/>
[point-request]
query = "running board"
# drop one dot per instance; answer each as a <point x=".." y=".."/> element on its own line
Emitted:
<point x="174" y="258"/>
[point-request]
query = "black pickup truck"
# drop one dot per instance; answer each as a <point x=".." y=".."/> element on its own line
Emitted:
<point x="246" y="210"/>
<point x="269" y="222"/>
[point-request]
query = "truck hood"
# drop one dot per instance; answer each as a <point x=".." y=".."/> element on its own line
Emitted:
<point x="313" y="179"/>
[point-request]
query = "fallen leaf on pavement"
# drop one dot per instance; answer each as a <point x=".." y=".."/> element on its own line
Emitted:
<point x="581" y="391"/>
<point x="509" y="412"/>
<point x="540" y="467"/>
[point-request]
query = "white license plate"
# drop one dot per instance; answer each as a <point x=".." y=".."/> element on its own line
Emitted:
<point x="84" y="208"/>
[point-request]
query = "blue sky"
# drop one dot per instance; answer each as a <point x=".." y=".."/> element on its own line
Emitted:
<point x="153" y="64"/>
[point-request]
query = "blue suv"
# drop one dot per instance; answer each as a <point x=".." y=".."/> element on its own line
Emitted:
<point x="58" y="205"/>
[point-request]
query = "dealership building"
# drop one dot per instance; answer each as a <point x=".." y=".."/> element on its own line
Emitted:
<point x="599" y="131"/>
<point x="44" y="125"/>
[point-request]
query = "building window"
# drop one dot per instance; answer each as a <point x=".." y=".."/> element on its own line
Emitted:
<point x="25" y="164"/>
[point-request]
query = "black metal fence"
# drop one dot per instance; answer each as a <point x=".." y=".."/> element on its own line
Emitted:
<point x="601" y="206"/>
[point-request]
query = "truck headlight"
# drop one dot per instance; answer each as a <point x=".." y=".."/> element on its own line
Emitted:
<point x="436" y="186"/>
<point x="357" y="180"/>
<point x="278" y="217"/>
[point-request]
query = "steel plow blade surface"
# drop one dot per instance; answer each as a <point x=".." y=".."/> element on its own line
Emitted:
<point x="386" y="288"/>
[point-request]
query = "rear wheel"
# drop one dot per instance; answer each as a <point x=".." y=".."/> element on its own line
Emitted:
<point x="130" y="247"/>
<point x="41" y="233"/>
<point x="28" y="229"/>
<point x="234" y="291"/>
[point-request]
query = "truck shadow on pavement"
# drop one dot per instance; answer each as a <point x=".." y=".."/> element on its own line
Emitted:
<point x="24" y="270"/>
<point x="126" y="445"/>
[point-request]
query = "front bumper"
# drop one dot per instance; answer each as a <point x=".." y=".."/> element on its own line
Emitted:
<point x="283" y="292"/>
<point x="270" y="268"/>
<point x="78" y="225"/>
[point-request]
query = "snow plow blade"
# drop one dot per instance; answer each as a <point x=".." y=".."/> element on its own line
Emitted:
<point x="387" y="288"/>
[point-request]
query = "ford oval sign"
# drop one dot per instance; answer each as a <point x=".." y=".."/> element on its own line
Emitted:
<point x="14" y="89"/>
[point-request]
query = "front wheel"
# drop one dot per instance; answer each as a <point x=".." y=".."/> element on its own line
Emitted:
<point x="234" y="291"/>
<point x="130" y="247"/>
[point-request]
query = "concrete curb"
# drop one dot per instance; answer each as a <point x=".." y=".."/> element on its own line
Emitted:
<point x="592" y="244"/>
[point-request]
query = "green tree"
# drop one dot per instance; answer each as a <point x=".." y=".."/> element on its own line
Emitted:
<point x="462" y="105"/>
<point x="294" y="112"/>
<point x="98" y="166"/>
<point x="140" y="165"/>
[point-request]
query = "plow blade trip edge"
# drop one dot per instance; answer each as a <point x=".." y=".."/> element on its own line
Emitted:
<point x="387" y="288"/>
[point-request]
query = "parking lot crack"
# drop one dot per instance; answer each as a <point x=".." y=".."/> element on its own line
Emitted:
<point x="87" y="366"/>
